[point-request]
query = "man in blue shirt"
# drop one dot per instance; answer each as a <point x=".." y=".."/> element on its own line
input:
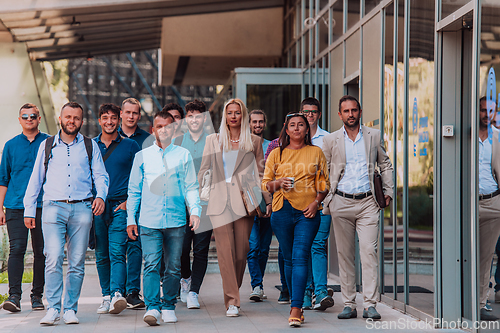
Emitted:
<point x="489" y="200"/>
<point x="67" y="209"/>
<point x="163" y="180"/>
<point x="194" y="141"/>
<point x="262" y="233"/>
<point x="111" y="226"/>
<point x="130" y="115"/>
<point x="318" y="261"/>
<point x="18" y="158"/>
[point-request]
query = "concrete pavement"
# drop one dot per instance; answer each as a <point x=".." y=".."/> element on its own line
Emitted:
<point x="267" y="316"/>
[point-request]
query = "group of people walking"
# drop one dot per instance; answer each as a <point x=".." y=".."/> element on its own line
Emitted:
<point x="153" y="199"/>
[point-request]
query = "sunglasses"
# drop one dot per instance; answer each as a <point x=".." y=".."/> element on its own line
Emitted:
<point x="306" y="112"/>
<point x="297" y="114"/>
<point x="32" y="116"/>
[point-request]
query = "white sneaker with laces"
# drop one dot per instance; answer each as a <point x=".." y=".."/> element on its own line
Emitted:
<point x="257" y="294"/>
<point x="118" y="303"/>
<point x="151" y="317"/>
<point x="51" y="317"/>
<point x="232" y="311"/>
<point x="69" y="317"/>
<point x="104" y="307"/>
<point x="192" y="300"/>
<point x="168" y="316"/>
<point x="185" y="286"/>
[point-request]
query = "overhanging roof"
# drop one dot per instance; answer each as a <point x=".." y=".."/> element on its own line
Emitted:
<point x="58" y="29"/>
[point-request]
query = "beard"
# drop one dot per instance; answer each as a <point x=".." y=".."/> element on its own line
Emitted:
<point x="355" y="125"/>
<point x="68" y="132"/>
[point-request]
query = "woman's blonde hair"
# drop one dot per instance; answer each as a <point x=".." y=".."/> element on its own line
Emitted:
<point x="245" y="134"/>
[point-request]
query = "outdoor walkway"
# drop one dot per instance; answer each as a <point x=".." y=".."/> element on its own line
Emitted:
<point x="268" y="316"/>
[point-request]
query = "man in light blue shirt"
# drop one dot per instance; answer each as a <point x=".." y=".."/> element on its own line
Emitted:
<point x="489" y="200"/>
<point x="162" y="181"/>
<point x="67" y="208"/>
<point x="318" y="263"/>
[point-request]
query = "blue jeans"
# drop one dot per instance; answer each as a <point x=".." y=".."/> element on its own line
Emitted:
<point x="134" y="262"/>
<point x="259" y="241"/>
<point x="295" y="233"/>
<point x="497" y="272"/>
<point x="111" y="251"/>
<point x="63" y="222"/>
<point x="281" y="265"/>
<point x="153" y="241"/>
<point x="318" y="263"/>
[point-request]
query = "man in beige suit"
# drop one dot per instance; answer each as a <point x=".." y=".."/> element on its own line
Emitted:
<point x="489" y="199"/>
<point x="352" y="153"/>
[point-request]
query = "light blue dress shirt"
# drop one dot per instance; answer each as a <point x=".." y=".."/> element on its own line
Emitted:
<point x="487" y="183"/>
<point x="68" y="175"/>
<point x="161" y="183"/>
<point x="317" y="139"/>
<point x="355" y="179"/>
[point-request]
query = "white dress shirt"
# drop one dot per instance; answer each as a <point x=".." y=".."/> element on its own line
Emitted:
<point x="355" y="179"/>
<point x="317" y="139"/>
<point x="487" y="183"/>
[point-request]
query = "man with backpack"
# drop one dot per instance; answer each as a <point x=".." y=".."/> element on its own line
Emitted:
<point x="66" y="166"/>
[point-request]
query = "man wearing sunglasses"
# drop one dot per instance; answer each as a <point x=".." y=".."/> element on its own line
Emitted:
<point x="318" y="262"/>
<point x="18" y="158"/>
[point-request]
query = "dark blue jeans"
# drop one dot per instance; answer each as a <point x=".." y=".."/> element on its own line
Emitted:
<point x="295" y="233"/>
<point x="134" y="262"/>
<point x="111" y="251"/>
<point x="259" y="242"/>
<point x="497" y="272"/>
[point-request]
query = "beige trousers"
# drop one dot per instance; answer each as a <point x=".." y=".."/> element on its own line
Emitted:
<point x="231" y="240"/>
<point x="489" y="231"/>
<point x="361" y="216"/>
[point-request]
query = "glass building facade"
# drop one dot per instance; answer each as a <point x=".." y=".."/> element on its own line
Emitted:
<point x="418" y="68"/>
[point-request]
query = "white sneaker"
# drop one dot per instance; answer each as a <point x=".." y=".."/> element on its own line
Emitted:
<point x="232" y="311"/>
<point x="69" y="317"/>
<point x="151" y="317"/>
<point x="168" y="316"/>
<point x="118" y="303"/>
<point x="185" y="286"/>
<point x="104" y="307"/>
<point x="257" y="294"/>
<point x="192" y="300"/>
<point x="51" y="317"/>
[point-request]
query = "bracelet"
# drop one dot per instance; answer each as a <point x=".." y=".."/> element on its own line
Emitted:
<point x="269" y="204"/>
<point x="317" y="202"/>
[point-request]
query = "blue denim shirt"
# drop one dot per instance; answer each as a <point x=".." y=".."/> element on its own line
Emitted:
<point x="68" y="175"/>
<point x="161" y="183"/>
<point x="18" y="158"/>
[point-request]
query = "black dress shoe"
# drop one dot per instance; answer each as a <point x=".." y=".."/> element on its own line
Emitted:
<point x="371" y="313"/>
<point x="36" y="303"/>
<point x="348" y="313"/>
<point x="484" y="315"/>
<point x="13" y="303"/>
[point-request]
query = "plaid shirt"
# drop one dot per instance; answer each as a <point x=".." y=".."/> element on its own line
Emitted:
<point x="273" y="144"/>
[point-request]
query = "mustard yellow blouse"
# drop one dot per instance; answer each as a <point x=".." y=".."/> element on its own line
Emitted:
<point x="307" y="165"/>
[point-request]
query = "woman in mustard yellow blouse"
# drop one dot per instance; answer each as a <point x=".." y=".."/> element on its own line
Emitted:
<point x="296" y="174"/>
